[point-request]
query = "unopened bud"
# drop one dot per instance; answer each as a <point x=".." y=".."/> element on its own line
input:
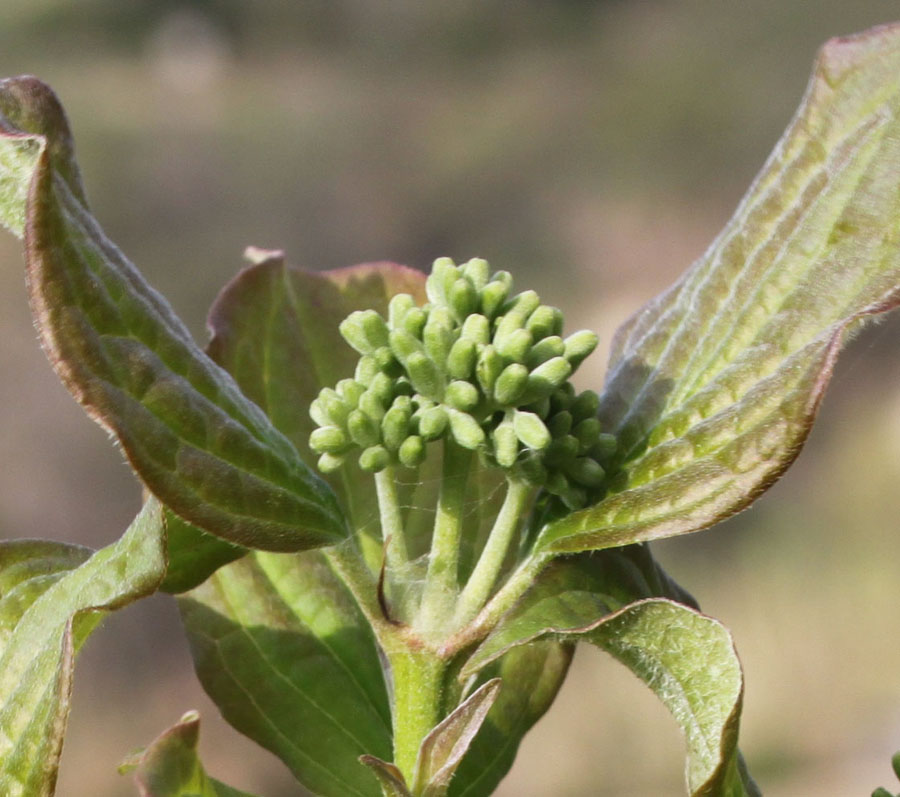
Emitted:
<point x="364" y="330"/>
<point x="506" y="444"/>
<point x="585" y="405"/>
<point x="372" y="405"/>
<point x="510" y="384"/>
<point x="548" y="376"/>
<point x="432" y="423"/>
<point x="514" y="346"/>
<point x="374" y="459"/>
<point x="350" y="391"/>
<point x="544" y="350"/>
<point x="404" y="344"/>
<point x="579" y="345"/>
<point x="424" y="374"/>
<point x="477" y="328"/>
<point x="443" y="275"/>
<point x="585" y="471"/>
<point x="605" y="446"/>
<point x="465" y="429"/>
<point x="462" y="299"/>
<point x="414" y="321"/>
<point x="395" y="425"/>
<point x="544" y="322"/>
<point x="461" y="360"/>
<point x="476" y="271"/>
<point x="329" y="463"/>
<point x="363" y="428"/>
<point x="587" y="433"/>
<point x="561" y="451"/>
<point x="412" y="451"/>
<point x="493" y="296"/>
<point x="462" y="395"/>
<point x="437" y="338"/>
<point x="329" y="409"/>
<point x="488" y="368"/>
<point x="531" y="430"/>
<point x="328" y="440"/>
<point x="560" y="424"/>
<point x="398" y="307"/>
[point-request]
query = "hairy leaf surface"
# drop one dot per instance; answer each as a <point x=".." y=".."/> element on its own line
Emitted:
<point x="283" y="650"/>
<point x="197" y="442"/>
<point x="714" y="385"/>
<point x="52" y="596"/>
<point x="169" y="767"/>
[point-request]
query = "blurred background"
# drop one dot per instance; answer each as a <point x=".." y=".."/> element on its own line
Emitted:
<point x="593" y="148"/>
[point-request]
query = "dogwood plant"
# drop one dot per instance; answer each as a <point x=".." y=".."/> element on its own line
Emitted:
<point x="388" y="515"/>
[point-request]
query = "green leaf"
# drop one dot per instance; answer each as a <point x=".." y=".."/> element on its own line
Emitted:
<point x="391" y="779"/>
<point x="196" y="441"/>
<point x="193" y="554"/>
<point x="169" y="767"/>
<point x="282" y="649"/>
<point x="531" y="676"/>
<point x="714" y="385"/>
<point x="53" y="596"/>
<point x="685" y="657"/>
<point x="275" y="330"/>
<point x="443" y="748"/>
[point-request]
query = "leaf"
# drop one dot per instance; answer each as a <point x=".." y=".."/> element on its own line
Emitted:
<point x="443" y="748"/>
<point x="193" y="554"/>
<point x="169" y="767"/>
<point x="196" y="441"/>
<point x="685" y="657"/>
<point x="283" y="651"/>
<point x="53" y="596"/>
<point x="275" y="330"/>
<point x="531" y="675"/>
<point x="393" y="784"/>
<point x="713" y="386"/>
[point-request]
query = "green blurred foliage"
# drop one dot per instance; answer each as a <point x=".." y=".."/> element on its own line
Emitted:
<point x="594" y="148"/>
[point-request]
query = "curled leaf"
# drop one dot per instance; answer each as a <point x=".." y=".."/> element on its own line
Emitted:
<point x="714" y="385"/>
<point x="194" y="439"/>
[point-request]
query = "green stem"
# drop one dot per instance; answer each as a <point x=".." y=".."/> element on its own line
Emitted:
<point x="418" y="684"/>
<point x="347" y="561"/>
<point x="439" y="594"/>
<point x="490" y="563"/>
<point x="516" y="586"/>
<point x="391" y="519"/>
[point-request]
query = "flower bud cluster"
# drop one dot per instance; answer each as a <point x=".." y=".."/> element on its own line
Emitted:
<point x="476" y="365"/>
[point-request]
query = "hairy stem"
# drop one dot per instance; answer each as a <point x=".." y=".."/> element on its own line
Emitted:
<point x="439" y="595"/>
<point x="391" y="520"/>
<point x="490" y="563"/>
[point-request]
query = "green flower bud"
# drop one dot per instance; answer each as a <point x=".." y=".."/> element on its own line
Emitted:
<point x="398" y="307"/>
<point x="328" y="440"/>
<point x="562" y="398"/>
<point x="548" y="376"/>
<point x="465" y="429"/>
<point x="364" y="330"/>
<point x="587" y="433"/>
<point x="605" y="446"/>
<point x="363" y="429"/>
<point x="541" y="407"/>
<point x="579" y="345"/>
<point x="531" y="430"/>
<point x="395" y="425"/>
<point x="414" y="321"/>
<point x="462" y="395"/>
<point x="514" y="346"/>
<point x="462" y="298"/>
<point x="372" y="405"/>
<point x="544" y="322"/>
<point x="383" y="387"/>
<point x="488" y="368"/>
<point x="506" y="444"/>
<point x="530" y="467"/>
<point x="386" y="362"/>
<point x="350" y="391"/>
<point x="329" y="409"/>
<point x="585" y="405"/>
<point x="366" y="369"/>
<point x="424" y="375"/>
<point x="493" y="296"/>
<point x="443" y="274"/>
<point x="432" y="423"/>
<point x="522" y="306"/>
<point x="477" y="329"/>
<point x="561" y="451"/>
<point x="374" y="459"/>
<point x="461" y="360"/>
<point x="329" y="463"/>
<point x="585" y="471"/>
<point x="510" y="384"/>
<point x="544" y="350"/>
<point x="412" y="451"/>
<point x="560" y="424"/>
<point x="438" y="339"/>
<point x="404" y="344"/>
<point x="403" y="387"/>
<point x="476" y="271"/>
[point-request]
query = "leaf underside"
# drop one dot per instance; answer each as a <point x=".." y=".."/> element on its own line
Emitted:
<point x="713" y="386"/>
<point x="52" y="595"/>
<point x="195" y="440"/>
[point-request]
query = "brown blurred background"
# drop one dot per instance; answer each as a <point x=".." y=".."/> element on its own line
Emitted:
<point x="594" y="148"/>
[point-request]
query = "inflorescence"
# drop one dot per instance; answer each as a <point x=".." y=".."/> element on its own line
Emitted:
<point x="475" y="366"/>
